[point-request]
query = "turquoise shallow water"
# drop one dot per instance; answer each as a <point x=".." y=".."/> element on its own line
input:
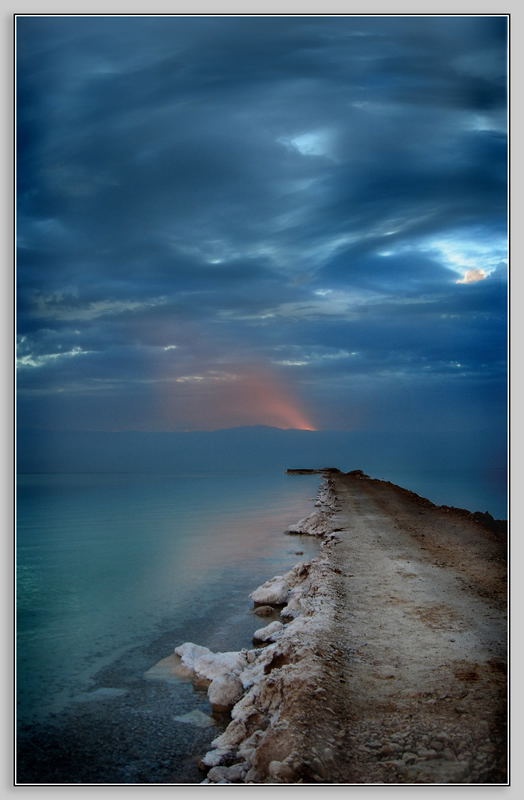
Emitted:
<point x="106" y="562"/>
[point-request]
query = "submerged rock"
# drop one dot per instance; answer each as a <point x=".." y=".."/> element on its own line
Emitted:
<point x="197" y="718"/>
<point x="103" y="693"/>
<point x="264" y="611"/>
<point x="170" y="669"/>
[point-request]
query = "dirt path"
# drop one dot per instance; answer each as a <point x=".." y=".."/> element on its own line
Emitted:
<point x="413" y="687"/>
<point x="385" y="660"/>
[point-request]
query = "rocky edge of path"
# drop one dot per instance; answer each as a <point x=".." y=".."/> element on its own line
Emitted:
<point x="383" y="660"/>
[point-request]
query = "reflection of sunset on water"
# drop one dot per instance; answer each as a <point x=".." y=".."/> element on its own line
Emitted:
<point x="248" y="536"/>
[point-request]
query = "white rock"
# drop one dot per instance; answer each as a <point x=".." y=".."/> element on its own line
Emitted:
<point x="255" y="670"/>
<point x="189" y="652"/>
<point x="215" y="757"/>
<point x="226" y="690"/>
<point x="270" y="633"/>
<point x="213" y="665"/>
<point x="298" y="573"/>
<point x="292" y="610"/>
<point x="207" y="665"/>
<point x="272" y="593"/>
<point x="316" y="524"/>
<point x="252" y="656"/>
<point x="233" y="736"/>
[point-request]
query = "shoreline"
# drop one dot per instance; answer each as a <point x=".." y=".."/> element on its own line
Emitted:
<point x="243" y="682"/>
<point x="395" y="600"/>
<point x="114" y="726"/>
<point x="274" y="690"/>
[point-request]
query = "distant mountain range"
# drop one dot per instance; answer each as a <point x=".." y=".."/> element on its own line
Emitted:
<point x="256" y="449"/>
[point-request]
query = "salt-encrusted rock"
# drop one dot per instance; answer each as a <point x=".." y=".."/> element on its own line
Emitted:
<point x="223" y="692"/>
<point x="252" y="655"/>
<point x="214" y="758"/>
<point x="272" y="593"/>
<point x="272" y="678"/>
<point x="298" y="573"/>
<point x="294" y="606"/>
<point x="249" y="745"/>
<point x="255" y="669"/>
<point x="216" y="774"/>
<point x="292" y="610"/>
<point x="233" y="774"/>
<point x="237" y="772"/>
<point x="215" y="665"/>
<point x="316" y="524"/>
<point x="331" y="539"/>
<point x="207" y="665"/>
<point x="189" y="652"/>
<point x="270" y="633"/>
<point x="327" y="497"/>
<point x="233" y="736"/>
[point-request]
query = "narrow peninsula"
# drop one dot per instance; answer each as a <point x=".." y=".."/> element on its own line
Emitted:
<point x="382" y="660"/>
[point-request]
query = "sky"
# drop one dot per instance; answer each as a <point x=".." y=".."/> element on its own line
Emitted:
<point x="295" y="221"/>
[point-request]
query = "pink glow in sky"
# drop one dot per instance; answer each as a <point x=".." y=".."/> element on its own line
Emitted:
<point x="232" y="398"/>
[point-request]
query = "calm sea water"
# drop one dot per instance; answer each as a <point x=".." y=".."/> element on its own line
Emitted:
<point x="106" y="562"/>
<point x="474" y="489"/>
<point x="115" y="570"/>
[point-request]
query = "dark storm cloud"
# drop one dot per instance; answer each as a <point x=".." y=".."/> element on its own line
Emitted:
<point x="198" y="193"/>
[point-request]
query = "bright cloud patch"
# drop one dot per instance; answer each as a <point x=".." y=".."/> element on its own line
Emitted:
<point x="473" y="275"/>
<point x="312" y="143"/>
<point x="40" y="360"/>
<point x="466" y="256"/>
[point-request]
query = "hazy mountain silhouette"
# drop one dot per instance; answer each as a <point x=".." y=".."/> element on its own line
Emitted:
<point x="255" y="449"/>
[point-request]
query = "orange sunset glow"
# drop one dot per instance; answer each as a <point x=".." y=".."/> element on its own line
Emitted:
<point x="241" y="396"/>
